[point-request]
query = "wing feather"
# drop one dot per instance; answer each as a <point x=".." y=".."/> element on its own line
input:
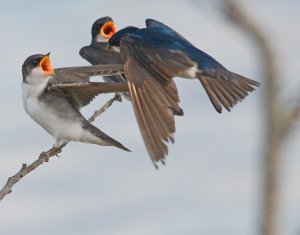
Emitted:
<point x="81" y="94"/>
<point x="96" y="53"/>
<point x="154" y="95"/>
<point x="83" y="73"/>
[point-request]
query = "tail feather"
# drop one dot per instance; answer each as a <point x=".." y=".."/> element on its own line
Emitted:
<point x="104" y="139"/>
<point x="224" y="100"/>
<point x="226" y="90"/>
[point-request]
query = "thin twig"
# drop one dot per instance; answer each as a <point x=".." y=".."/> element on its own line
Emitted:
<point x="105" y="107"/>
<point x="44" y="156"/>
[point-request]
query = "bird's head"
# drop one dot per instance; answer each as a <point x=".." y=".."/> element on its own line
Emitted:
<point x="115" y="40"/>
<point x="103" y="29"/>
<point x="37" y="68"/>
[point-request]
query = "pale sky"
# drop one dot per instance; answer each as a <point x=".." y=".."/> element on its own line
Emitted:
<point x="212" y="181"/>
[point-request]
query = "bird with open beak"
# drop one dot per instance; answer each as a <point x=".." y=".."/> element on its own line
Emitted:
<point x="96" y="53"/>
<point x="57" y="109"/>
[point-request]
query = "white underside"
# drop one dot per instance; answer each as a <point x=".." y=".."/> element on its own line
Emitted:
<point x="59" y="129"/>
<point x="62" y="130"/>
<point x="100" y="38"/>
<point x="116" y="49"/>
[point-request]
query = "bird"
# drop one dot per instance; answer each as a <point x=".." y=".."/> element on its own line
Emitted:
<point x="53" y="98"/>
<point x="152" y="56"/>
<point x="96" y="53"/>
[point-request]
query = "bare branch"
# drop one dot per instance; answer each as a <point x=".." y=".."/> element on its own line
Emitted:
<point x="278" y="118"/>
<point x="44" y="156"/>
<point x="237" y="15"/>
<point x="290" y="119"/>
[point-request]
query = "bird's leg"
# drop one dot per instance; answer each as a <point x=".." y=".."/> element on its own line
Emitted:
<point x="57" y="150"/>
<point x="58" y="147"/>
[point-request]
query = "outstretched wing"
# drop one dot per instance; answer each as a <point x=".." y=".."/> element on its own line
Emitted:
<point x="83" y="73"/>
<point x="97" y="54"/>
<point x="81" y="94"/>
<point x="73" y="82"/>
<point x="154" y="96"/>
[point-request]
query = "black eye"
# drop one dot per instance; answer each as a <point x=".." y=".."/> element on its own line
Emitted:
<point x="35" y="62"/>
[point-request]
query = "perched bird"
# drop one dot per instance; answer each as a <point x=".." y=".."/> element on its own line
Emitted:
<point x="54" y="101"/>
<point x="152" y="56"/>
<point x="96" y="52"/>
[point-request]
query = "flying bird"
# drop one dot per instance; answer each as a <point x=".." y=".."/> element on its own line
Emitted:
<point x="152" y="56"/>
<point x="96" y="53"/>
<point x="53" y="99"/>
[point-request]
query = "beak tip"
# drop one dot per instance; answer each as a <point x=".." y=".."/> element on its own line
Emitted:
<point x="46" y="65"/>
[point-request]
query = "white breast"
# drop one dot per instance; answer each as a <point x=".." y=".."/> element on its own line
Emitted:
<point x="60" y="129"/>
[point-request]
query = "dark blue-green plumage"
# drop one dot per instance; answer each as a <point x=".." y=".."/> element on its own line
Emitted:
<point x="152" y="56"/>
<point x="168" y="39"/>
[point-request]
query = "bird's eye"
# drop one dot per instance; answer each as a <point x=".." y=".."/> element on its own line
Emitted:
<point x="35" y="62"/>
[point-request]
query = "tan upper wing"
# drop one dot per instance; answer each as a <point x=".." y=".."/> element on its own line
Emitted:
<point x="153" y="93"/>
<point x="83" y="73"/>
<point x="73" y="82"/>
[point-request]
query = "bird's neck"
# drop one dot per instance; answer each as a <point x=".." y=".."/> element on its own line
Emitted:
<point x="100" y="39"/>
<point x="34" y="89"/>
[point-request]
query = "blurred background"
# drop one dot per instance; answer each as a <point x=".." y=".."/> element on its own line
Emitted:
<point x="234" y="173"/>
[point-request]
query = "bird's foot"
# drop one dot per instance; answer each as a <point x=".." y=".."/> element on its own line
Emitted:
<point x="51" y="152"/>
<point x="45" y="156"/>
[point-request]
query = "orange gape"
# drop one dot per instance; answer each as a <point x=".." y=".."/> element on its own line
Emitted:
<point x="108" y="29"/>
<point x="46" y="65"/>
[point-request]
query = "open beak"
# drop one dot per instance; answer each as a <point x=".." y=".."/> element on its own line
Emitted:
<point x="46" y="65"/>
<point x="108" y="29"/>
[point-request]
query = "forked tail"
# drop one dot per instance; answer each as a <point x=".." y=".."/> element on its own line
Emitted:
<point x="226" y="90"/>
